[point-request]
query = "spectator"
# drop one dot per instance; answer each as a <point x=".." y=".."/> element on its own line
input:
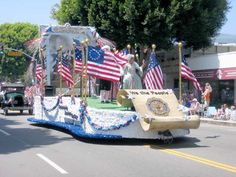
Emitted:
<point x="207" y="95"/>
<point x="105" y="85"/>
<point x="223" y="113"/>
<point x="195" y="107"/>
<point x="219" y="112"/>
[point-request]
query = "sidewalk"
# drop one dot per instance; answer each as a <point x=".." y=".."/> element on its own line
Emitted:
<point x="218" y="122"/>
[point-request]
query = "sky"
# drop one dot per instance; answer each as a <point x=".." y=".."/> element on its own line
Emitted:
<point x="38" y="12"/>
<point x="230" y="25"/>
<point x="33" y="11"/>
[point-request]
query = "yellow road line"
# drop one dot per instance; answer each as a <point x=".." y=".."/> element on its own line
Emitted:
<point x="200" y="160"/>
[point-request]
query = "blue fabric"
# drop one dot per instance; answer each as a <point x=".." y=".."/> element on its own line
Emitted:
<point x="153" y="61"/>
<point x="74" y="129"/>
<point x="95" y="54"/>
<point x="187" y="104"/>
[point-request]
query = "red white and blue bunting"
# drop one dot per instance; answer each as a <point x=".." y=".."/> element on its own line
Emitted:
<point x="106" y="120"/>
<point x="53" y="107"/>
<point x="97" y="119"/>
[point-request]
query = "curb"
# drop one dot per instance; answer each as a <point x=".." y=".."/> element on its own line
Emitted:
<point x="219" y="122"/>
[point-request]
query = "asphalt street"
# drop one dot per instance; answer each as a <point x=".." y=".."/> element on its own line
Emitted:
<point x="43" y="151"/>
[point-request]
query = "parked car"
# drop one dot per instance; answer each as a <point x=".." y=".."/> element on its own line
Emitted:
<point x="13" y="101"/>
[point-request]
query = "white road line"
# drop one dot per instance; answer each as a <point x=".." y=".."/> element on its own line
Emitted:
<point x="4" y="132"/>
<point x="52" y="164"/>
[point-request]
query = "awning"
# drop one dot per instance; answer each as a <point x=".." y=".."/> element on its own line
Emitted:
<point x="220" y="73"/>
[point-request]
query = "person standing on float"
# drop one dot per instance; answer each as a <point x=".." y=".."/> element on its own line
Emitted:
<point x="105" y="85"/>
<point x="132" y="73"/>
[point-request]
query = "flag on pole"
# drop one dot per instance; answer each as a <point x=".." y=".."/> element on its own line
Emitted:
<point x="64" y="70"/>
<point x="101" y="64"/>
<point x="187" y="73"/>
<point x="120" y="57"/>
<point x="38" y="70"/>
<point x="153" y="79"/>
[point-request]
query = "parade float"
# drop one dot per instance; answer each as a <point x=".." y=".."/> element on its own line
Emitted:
<point x="157" y="115"/>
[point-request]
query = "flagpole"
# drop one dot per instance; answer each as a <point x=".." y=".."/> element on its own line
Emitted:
<point x="73" y="89"/>
<point x="153" y="47"/>
<point x="82" y="71"/>
<point x="60" y="53"/>
<point x="129" y="47"/>
<point x="180" y="78"/>
<point x="41" y="80"/>
<point x="86" y="69"/>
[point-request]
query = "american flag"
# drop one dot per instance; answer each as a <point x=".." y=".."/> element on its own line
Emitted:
<point x="39" y="70"/>
<point x="153" y="79"/>
<point x="123" y="52"/>
<point x="187" y="73"/>
<point x="101" y="64"/>
<point x="64" y="70"/>
<point x="120" y="57"/>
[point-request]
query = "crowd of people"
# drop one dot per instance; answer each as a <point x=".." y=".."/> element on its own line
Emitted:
<point x="202" y="108"/>
<point x="225" y="113"/>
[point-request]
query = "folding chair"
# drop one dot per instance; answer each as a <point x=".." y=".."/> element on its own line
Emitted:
<point x="211" y="112"/>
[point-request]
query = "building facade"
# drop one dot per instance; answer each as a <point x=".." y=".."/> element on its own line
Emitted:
<point x="215" y="65"/>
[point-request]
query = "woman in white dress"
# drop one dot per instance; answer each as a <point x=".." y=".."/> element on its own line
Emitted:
<point x="132" y="74"/>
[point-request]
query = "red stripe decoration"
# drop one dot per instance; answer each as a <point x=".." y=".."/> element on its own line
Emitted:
<point x="153" y="79"/>
<point x="108" y="70"/>
<point x="39" y="72"/>
<point x="66" y="74"/>
<point x="187" y="73"/>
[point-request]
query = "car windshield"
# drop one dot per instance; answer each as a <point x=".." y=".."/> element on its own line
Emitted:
<point x="13" y="94"/>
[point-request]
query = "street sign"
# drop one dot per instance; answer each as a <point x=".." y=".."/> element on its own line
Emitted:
<point x="14" y="54"/>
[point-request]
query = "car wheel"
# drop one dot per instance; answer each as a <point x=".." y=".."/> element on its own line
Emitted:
<point x="30" y="111"/>
<point x="5" y="112"/>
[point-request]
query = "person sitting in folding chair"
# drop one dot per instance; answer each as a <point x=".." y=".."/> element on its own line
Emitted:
<point x="223" y="113"/>
<point x="195" y="107"/>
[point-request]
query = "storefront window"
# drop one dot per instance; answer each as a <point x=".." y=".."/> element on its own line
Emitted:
<point x="226" y="92"/>
<point x="222" y="91"/>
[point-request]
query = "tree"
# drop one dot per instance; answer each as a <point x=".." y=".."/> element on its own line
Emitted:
<point x="71" y="11"/>
<point x="197" y="21"/>
<point x="148" y="21"/>
<point x="14" y="36"/>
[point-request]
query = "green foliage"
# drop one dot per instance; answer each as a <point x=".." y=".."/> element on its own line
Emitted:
<point x="71" y="11"/>
<point x="148" y="21"/>
<point x="14" y="36"/>
<point x="196" y="22"/>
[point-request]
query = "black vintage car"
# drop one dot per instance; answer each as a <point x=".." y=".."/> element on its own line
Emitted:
<point x="14" y="100"/>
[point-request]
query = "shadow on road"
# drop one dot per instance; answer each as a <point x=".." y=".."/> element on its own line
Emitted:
<point x="180" y="143"/>
<point x="15" y="113"/>
<point x="20" y="139"/>
<point x="39" y="135"/>
<point x="184" y="142"/>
